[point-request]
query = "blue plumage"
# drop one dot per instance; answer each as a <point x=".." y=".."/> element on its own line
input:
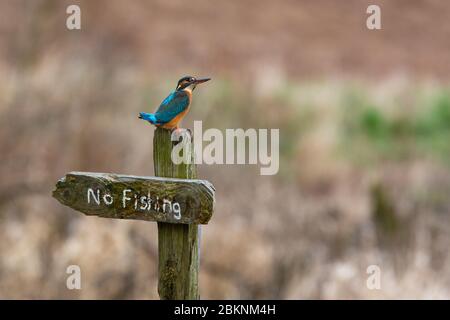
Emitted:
<point x="174" y="104"/>
<point x="150" y="117"/>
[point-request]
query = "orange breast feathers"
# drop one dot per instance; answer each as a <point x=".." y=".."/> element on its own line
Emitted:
<point x="173" y="124"/>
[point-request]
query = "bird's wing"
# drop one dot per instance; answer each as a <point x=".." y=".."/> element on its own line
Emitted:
<point x="174" y="104"/>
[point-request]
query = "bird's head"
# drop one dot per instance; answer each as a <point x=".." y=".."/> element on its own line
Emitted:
<point x="189" y="83"/>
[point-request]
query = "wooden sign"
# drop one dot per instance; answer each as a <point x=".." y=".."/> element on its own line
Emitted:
<point x="176" y="200"/>
<point x="185" y="201"/>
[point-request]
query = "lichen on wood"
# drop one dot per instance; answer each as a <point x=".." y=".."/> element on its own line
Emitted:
<point x="178" y="245"/>
<point x="109" y="195"/>
<point x="154" y="199"/>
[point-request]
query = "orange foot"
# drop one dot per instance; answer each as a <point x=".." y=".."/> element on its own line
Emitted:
<point x="178" y="133"/>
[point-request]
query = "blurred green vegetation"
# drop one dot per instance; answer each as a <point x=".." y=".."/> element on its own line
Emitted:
<point x="370" y="126"/>
<point x="404" y="124"/>
<point x="228" y="105"/>
<point x="398" y="130"/>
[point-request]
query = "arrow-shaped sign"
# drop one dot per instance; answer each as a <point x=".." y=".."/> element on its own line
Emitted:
<point x="107" y="195"/>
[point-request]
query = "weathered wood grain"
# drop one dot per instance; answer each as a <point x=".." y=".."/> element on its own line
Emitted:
<point x="178" y="245"/>
<point x="181" y="201"/>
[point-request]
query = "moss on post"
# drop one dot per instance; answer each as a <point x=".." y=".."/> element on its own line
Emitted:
<point x="178" y="244"/>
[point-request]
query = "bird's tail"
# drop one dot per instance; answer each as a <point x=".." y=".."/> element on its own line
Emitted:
<point x="150" y="117"/>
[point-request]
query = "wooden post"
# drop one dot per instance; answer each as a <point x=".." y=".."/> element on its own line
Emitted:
<point x="178" y="244"/>
<point x="177" y="201"/>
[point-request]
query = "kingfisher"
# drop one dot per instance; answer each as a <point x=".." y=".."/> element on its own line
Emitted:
<point x="175" y="106"/>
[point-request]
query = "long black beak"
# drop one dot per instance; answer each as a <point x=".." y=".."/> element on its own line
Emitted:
<point x="197" y="81"/>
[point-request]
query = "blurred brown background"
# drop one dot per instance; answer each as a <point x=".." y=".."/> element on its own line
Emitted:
<point x="364" y="119"/>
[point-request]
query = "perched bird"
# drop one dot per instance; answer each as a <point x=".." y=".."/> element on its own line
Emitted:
<point x="175" y="106"/>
